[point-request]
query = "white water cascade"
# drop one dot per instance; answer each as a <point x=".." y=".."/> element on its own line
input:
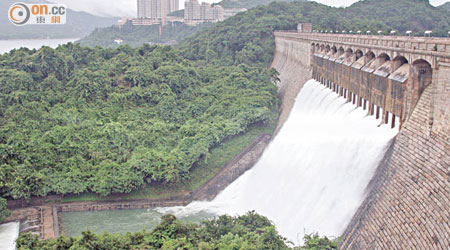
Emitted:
<point x="8" y="235"/>
<point x="312" y="177"/>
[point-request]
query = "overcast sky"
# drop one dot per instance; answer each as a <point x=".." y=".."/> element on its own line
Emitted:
<point x="128" y="7"/>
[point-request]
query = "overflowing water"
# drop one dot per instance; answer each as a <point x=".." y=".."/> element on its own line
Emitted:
<point x="8" y="235"/>
<point x="312" y="177"/>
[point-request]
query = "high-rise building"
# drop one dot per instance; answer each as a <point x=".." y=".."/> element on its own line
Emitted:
<point x="195" y="13"/>
<point x="192" y="10"/>
<point x="156" y="9"/>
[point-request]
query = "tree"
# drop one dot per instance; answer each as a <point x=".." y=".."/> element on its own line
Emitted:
<point x="4" y="212"/>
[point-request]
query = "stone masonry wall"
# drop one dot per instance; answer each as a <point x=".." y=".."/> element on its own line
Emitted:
<point x="292" y="61"/>
<point x="442" y="99"/>
<point x="408" y="205"/>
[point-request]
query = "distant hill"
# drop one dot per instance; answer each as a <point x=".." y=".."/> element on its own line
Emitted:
<point x="137" y="35"/>
<point x="178" y="13"/>
<point x="78" y="24"/>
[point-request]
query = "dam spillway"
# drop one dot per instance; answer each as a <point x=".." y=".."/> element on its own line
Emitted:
<point x="312" y="177"/>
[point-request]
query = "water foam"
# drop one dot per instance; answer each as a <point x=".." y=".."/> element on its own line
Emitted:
<point x="8" y="235"/>
<point x="312" y="177"/>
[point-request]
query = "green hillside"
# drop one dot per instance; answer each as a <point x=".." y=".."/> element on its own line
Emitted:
<point x="137" y="35"/>
<point x="248" y="4"/>
<point x="76" y="119"/>
<point x="78" y="24"/>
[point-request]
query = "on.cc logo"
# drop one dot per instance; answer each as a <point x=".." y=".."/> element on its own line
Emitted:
<point x="19" y="14"/>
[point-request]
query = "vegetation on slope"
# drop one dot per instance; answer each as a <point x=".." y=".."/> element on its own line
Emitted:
<point x="199" y="174"/>
<point x="248" y="37"/>
<point x="137" y="35"/>
<point x="248" y="4"/>
<point x="78" y="24"/>
<point x="250" y="232"/>
<point x="77" y="119"/>
<point x="178" y="13"/>
<point x="4" y="212"/>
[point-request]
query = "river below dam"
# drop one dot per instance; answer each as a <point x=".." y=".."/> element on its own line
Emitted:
<point x="311" y="178"/>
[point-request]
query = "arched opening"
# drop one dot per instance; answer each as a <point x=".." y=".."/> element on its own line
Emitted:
<point x="341" y="51"/>
<point x="322" y="48"/>
<point x="327" y="48"/>
<point x="358" y="54"/>
<point x="399" y="61"/>
<point x="333" y="50"/>
<point x="349" y="53"/>
<point x="422" y="75"/>
<point x="370" y="56"/>
<point x="384" y="57"/>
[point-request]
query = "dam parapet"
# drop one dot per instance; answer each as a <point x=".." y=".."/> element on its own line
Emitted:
<point x="385" y="74"/>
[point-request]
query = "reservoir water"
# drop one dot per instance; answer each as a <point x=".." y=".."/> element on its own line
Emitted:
<point x="311" y="178"/>
<point x="7" y="45"/>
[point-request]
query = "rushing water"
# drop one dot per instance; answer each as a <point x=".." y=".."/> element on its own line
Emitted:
<point x="8" y="235"/>
<point x="312" y="177"/>
<point x="7" y="45"/>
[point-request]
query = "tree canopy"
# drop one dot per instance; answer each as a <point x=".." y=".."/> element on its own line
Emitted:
<point x="249" y="232"/>
<point x="4" y="212"/>
<point x="77" y="119"/>
<point x="135" y="36"/>
<point x="249" y="3"/>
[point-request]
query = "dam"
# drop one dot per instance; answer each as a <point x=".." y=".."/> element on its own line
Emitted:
<point x="405" y="81"/>
<point x="399" y="198"/>
<point x="312" y="176"/>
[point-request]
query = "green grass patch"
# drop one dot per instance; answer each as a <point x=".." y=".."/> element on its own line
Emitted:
<point x="204" y="171"/>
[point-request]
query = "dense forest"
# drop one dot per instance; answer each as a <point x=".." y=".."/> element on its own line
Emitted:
<point x="247" y="232"/>
<point x="78" y="24"/>
<point x="77" y="119"/>
<point x="137" y="35"/>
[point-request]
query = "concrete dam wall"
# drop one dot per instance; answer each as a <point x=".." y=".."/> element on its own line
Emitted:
<point x="408" y="200"/>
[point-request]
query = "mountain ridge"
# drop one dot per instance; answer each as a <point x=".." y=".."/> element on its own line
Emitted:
<point x="79" y="24"/>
